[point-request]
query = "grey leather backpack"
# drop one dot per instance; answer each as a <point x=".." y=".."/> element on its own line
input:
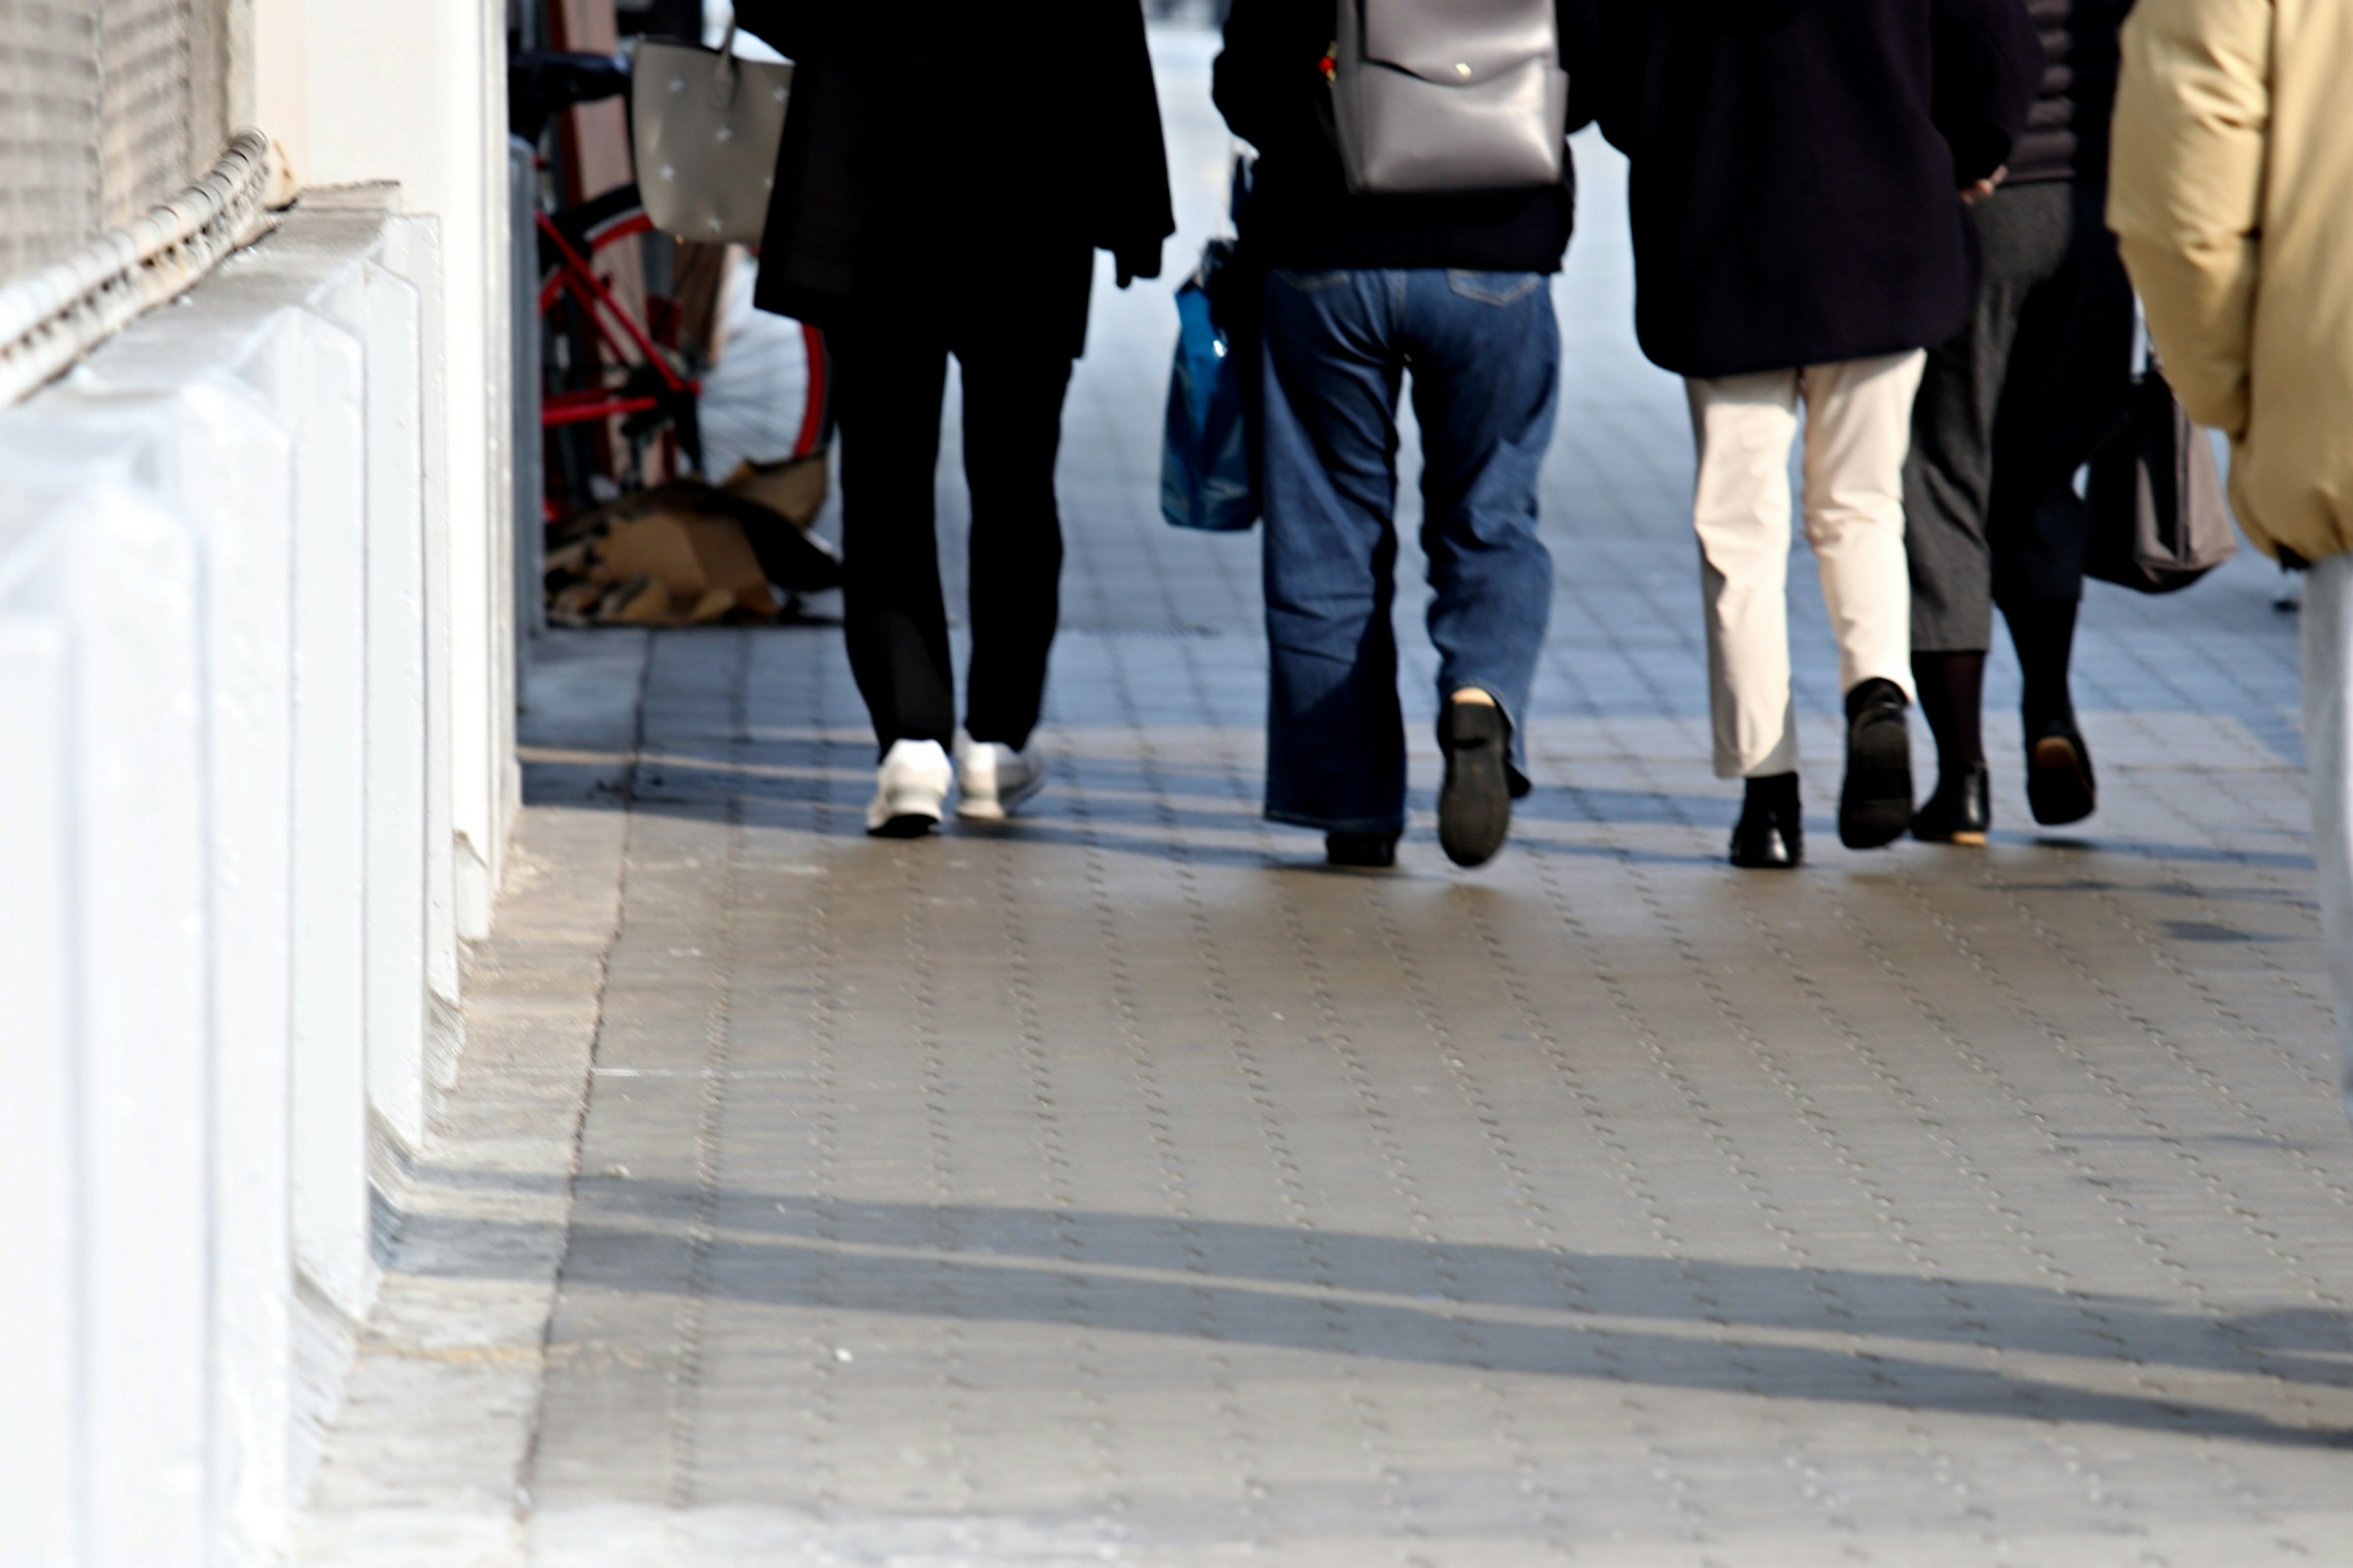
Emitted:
<point x="1438" y="96"/>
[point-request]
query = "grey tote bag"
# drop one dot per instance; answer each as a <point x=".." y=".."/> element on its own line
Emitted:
<point x="1433" y="96"/>
<point x="2159" y="521"/>
<point x="706" y="127"/>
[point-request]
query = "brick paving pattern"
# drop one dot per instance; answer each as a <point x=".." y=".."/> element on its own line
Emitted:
<point x="1127" y="1188"/>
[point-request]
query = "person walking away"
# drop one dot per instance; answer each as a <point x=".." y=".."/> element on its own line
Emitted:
<point x="2010" y="407"/>
<point x="1799" y="240"/>
<point x="946" y="174"/>
<point x="1453" y="288"/>
<point x="2230" y="191"/>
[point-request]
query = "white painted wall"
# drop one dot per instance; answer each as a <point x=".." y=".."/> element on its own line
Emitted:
<point x="215" y="589"/>
<point x="257" y="613"/>
<point x="103" y="591"/>
<point x="415" y="94"/>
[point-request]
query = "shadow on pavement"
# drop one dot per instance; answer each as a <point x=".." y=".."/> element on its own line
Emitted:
<point x="1899" y="1341"/>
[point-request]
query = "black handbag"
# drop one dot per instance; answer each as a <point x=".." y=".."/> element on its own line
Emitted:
<point x="2159" y="521"/>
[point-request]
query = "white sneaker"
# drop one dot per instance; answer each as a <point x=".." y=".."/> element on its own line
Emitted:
<point x="911" y="790"/>
<point x="993" y="778"/>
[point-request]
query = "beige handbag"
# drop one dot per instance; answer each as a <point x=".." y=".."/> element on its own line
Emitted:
<point x="706" y="126"/>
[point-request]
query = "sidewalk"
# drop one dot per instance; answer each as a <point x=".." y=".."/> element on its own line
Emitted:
<point x="1127" y="1188"/>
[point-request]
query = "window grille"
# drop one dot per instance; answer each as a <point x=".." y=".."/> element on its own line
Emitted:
<point x="106" y="107"/>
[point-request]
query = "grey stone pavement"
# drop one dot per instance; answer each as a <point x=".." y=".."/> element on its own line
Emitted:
<point x="1126" y="1188"/>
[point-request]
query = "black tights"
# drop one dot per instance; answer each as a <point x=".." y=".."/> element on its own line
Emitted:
<point x="1952" y="685"/>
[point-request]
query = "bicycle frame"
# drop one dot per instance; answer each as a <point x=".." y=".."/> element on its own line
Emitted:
<point x="605" y="312"/>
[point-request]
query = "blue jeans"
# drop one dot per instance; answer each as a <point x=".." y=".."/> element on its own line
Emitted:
<point x="1484" y="351"/>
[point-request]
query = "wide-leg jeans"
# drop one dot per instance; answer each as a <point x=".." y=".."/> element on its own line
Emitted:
<point x="1484" y="348"/>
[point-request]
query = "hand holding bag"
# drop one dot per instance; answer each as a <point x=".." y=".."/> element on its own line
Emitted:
<point x="706" y="126"/>
<point x="2160" y="521"/>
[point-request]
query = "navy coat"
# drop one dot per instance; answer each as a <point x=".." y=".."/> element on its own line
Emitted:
<point x="1796" y="165"/>
<point x="941" y="155"/>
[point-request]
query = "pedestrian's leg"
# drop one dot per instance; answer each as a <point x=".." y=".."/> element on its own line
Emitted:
<point x="1951" y="689"/>
<point x="888" y="385"/>
<point x="2067" y="393"/>
<point x="1743" y="426"/>
<point x="1012" y="431"/>
<point x="2329" y="752"/>
<point x="1335" y="737"/>
<point x="1949" y="470"/>
<point x="2043" y="632"/>
<point x="1949" y="479"/>
<point x="2069" y="390"/>
<point x="1858" y="429"/>
<point x="1484" y="350"/>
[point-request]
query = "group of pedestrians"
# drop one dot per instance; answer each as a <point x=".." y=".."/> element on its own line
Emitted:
<point x="1884" y="227"/>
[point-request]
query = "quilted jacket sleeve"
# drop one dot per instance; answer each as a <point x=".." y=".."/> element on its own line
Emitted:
<point x="2185" y="193"/>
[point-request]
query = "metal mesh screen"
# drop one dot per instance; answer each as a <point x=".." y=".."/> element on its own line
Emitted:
<point x="106" y="107"/>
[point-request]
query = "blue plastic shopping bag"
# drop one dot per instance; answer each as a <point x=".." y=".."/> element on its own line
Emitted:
<point x="1205" y="468"/>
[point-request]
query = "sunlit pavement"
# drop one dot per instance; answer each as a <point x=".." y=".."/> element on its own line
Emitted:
<point x="1126" y="1187"/>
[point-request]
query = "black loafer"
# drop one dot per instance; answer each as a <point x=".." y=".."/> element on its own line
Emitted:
<point x="2060" y="786"/>
<point x="1361" y="851"/>
<point x="1763" y="841"/>
<point x="1771" y="834"/>
<point x="1475" y="804"/>
<point x="1875" y="806"/>
<point x="1961" y="812"/>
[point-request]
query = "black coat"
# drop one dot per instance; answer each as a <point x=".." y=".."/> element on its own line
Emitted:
<point x="1271" y="87"/>
<point x="2067" y="130"/>
<point x="942" y="155"/>
<point x="1795" y="169"/>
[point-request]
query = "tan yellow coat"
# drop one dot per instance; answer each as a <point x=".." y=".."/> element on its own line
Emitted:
<point x="2232" y="192"/>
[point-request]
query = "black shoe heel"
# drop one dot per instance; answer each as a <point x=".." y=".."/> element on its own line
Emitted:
<point x="1361" y="851"/>
<point x="2060" y="785"/>
<point x="1961" y="812"/>
<point x="1770" y="834"/>
<point x="1475" y="804"/>
<point x="1875" y="804"/>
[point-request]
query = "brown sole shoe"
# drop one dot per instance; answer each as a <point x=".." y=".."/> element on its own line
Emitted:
<point x="2060" y="786"/>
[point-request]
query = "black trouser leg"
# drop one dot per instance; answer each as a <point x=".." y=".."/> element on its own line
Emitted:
<point x="889" y="382"/>
<point x="1012" y="434"/>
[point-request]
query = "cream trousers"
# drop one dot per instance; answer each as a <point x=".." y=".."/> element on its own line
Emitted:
<point x="1858" y="429"/>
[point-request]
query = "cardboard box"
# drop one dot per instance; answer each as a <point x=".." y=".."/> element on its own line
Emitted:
<point x="698" y="561"/>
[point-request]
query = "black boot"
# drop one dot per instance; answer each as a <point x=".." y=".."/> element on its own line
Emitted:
<point x="1875" y="806"/>
<point x="1961" y="812"/>
<point x="2059" y="783"/>
<point x="1475" y="804"/>
<point x="1771" y="832"/>
<point x="1361" y="851"/>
